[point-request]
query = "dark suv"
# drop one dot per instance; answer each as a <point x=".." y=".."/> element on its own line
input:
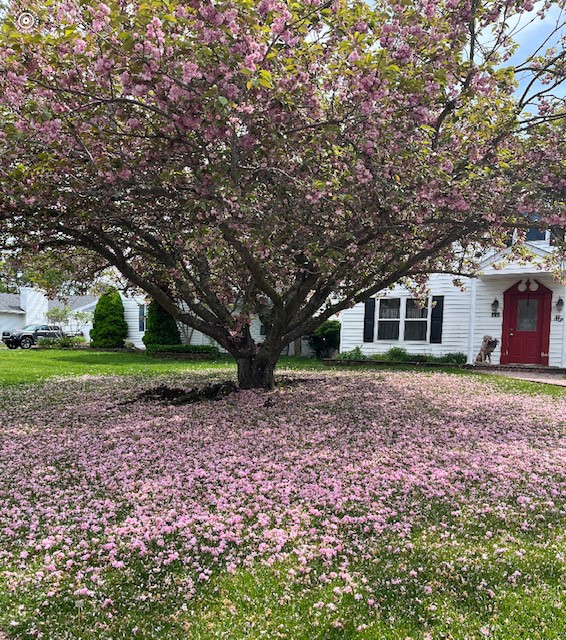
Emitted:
<point x="28" y="336"/>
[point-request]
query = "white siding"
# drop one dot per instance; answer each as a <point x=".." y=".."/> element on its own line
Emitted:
<point x="132" y="317"/>
<point x="457" y="308"/>
<point x="35" y="304"/>
<point x="11" y="321"/>
<point x="454" y="326"/>
<point x="493" y="287"/>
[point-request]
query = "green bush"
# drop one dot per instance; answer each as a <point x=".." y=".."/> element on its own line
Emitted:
<point x="208" y="349"/>
<point x="400" y="355"/>
<point x="71" y="342"/>
<point x="109" y="328"/>
<point x="355" y="354"/>
<point x="397" y="354"/>
<point x="161" y="327"/>
<point x="451" y="358"/>
<point x="325" y="340"/>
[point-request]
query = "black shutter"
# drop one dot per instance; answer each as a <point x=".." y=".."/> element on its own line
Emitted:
<point x="369" y="320"/>
<point x="436" y="319"/>
<point x="556" y="235"/>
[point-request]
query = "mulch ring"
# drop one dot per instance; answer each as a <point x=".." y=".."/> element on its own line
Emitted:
<point x="177" y="396"/>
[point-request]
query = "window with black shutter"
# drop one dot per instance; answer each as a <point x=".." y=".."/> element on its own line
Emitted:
<point x="369" y="320"/>
<point x="416" y="320"/>
<point x="436" y="319"/>
<point x="389" y="319"/>
<point x="141" y="316"/>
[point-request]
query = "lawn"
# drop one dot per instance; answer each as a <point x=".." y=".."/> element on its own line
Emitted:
<point x="371" y="505"/>
<point x="36" y="365"/>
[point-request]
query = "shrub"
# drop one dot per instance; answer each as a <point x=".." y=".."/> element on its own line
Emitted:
<point x="451" y="358"/>
<point x="161" y="327"/>
<point x="109" y="326"/>
<point x="397" y="354"/>
<point x="355" y="354"/>
<point x="65" y="342"/>
<point x="209" y="349"/>
<point x="325" y="340"/>
<point x="400" y="355"/>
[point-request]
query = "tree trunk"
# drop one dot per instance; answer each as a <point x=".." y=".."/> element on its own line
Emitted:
<point x="257" y="371"/>
<point x="298" y="347"/>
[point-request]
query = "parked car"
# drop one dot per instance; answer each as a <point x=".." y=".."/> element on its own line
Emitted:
<point x="30" y="335"/>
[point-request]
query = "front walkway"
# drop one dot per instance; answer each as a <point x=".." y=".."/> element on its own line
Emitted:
<point x="557" y="379"/>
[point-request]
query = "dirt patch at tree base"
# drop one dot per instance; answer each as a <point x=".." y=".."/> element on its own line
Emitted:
<point x="177" y="396"/>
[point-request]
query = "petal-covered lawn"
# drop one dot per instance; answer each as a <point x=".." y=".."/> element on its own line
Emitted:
<point x="342" y="505"/>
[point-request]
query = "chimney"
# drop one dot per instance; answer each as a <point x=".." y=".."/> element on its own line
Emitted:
<point x="35" y="304"/>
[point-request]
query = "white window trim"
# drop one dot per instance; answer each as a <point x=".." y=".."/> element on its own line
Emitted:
<point x="428" y="321"/>
<point x="378" y="319"/>
<point x="402" y="319"/>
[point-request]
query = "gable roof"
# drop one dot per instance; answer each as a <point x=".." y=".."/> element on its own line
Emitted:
<point x="495" y="257"/>
<point x="75" y="302"/>
<point x="10" y="303"/>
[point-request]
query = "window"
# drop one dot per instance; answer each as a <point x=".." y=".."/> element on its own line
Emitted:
<point x="389" y="319"/>
<point x="263" y="329"/>
<point x="142" y="315"/>
<point x="416" y="320"/>
<point x="527" y="314"/>
<point x="535" y="234"/>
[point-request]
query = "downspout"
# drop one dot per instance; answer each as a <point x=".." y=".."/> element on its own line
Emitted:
<point x="472" y="321"/>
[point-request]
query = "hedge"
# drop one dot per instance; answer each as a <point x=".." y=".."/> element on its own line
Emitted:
<point x="206" y="349"/>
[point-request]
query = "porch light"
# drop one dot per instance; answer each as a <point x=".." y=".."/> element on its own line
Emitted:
<point x="559" y="305"/>
<point x="495" y="308"/>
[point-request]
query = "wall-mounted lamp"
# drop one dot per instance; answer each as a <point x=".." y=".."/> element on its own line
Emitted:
<point x="559" y="305"/>
<point x="495" y="308"/>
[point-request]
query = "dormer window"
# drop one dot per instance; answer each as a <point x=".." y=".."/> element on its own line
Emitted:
<point x="534" y="234"/>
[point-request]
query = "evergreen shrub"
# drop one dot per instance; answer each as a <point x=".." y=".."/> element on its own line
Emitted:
<point x="161" y="327"/>
<point x="109" y="328"/>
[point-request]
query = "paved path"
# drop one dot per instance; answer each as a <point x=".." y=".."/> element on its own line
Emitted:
<point x="557" y="379"/>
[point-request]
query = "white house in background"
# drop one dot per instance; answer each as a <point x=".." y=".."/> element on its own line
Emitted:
<point x="30" y="306"/>
<point x="521" y="305"/>
<point x="17" y="310"/>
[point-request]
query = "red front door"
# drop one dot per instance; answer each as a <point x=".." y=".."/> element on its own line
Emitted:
<point x="526" y="324"/>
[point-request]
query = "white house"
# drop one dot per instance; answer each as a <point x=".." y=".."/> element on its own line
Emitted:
<point x="522" y="305"/>
<point x="30" y="306"/>
<point x="17" y="310"/>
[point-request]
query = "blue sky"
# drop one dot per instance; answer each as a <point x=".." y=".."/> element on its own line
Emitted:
<point x="530" y="32"/>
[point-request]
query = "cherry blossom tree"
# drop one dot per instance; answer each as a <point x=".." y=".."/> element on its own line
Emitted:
<point x="282" y="160"/>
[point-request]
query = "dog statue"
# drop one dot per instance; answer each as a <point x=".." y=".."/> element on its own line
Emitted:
<point x="488" y="345"/>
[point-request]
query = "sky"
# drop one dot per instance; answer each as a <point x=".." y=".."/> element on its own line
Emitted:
<point x="530" y="32"/>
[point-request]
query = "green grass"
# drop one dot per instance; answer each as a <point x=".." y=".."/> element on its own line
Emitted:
<point x="462" y="591"/>
<point x="471" y="592"/>
<point x="470" y="595"/>
<point x="36" y="365"/>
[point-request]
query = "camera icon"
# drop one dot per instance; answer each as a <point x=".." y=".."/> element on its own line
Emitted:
<point x="26" y="21"/>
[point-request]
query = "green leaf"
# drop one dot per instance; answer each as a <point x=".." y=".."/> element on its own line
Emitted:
<point x="265" y="79"/>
